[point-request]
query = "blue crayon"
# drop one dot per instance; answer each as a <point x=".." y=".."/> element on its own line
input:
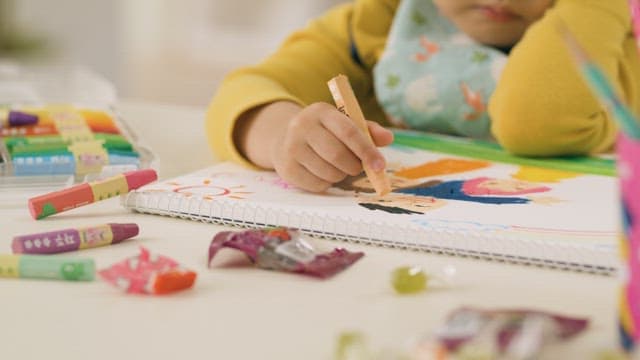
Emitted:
<point x="61" y="163"/>
<point x="49" y="164"/>
<point x="120" y="159"/>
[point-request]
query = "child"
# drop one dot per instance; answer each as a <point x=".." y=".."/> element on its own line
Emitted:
<point x="434" y="65"/>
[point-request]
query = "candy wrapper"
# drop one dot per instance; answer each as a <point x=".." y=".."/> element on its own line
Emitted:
<point x="516" y="334"/>
<point x="283" y="249"/>
<point x="148" y="273"/>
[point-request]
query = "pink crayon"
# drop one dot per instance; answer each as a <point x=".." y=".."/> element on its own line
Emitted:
<point x="54" y="242"/>
<point x="87" y="193"/>
<point x="628" y="151"/>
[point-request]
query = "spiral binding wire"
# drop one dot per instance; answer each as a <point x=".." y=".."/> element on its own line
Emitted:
<point x="482" y="245"/>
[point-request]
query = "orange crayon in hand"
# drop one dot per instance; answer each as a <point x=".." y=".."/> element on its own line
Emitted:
<point x="348" y="104"/>
<point x="87" y="193"/>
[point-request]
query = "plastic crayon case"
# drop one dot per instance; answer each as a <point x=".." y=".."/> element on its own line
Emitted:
<point x="68" y="141"/>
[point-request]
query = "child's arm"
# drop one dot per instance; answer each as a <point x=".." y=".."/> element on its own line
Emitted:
<point x="269" y="113"/>
<point x="541" y="105"/>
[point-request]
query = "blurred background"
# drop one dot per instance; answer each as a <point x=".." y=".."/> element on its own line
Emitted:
<point x="167" y="51"/>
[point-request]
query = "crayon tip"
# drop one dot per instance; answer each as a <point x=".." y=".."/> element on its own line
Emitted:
<point x="32" y="210"/>
<point x="138" y="178"/>
<point x="16" y="247"/>
<point x="18" y="118"/>
<point x="47" y="209"/>
<point x="123" y="231"/>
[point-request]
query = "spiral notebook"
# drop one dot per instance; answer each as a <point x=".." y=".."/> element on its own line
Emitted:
<point x="440" y="203"/>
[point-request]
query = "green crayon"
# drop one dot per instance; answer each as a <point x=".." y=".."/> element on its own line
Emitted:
<point x="22" y="144"/>
<point x="12" y="141"/>
<point x="114" y="141"/>
<point x="47" y="267"/>
<point x="41" y="152"/>
<point x="38" y="148"/>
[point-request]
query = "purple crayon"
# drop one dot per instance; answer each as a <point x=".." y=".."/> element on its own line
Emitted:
<point x="19" y="118"/>
<point x="54" y="242"/>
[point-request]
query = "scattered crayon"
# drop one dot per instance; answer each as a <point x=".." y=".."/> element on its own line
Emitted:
<point x="87" y="193"/>
<point x="18" y="118"/>
<point x="54" y="242"/>
<point x="46" y="267"/>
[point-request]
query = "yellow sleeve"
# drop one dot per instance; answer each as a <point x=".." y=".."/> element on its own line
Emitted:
<point x="541" y="105"/>
<point x="299" y="70"/>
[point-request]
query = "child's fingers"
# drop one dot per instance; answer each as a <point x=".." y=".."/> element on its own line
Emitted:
<point x="317" y="166"/>
<point x="334" y="152"/>
<point x="296" y="174"/>
<point x="355" y="140"/>
<point x="380" y="135"/>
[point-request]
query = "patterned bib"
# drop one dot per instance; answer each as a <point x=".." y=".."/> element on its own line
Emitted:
<point x="433" y="77"/>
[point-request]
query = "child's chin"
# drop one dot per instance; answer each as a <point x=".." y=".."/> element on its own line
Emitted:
<point x="497" y="34"/>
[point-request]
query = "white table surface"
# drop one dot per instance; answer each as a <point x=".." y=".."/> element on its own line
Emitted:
<point x="246" y="313"/>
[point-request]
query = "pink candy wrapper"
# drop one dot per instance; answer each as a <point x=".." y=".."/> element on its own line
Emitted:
<point x="148" y="273"/>
<point x="283" y="249"/>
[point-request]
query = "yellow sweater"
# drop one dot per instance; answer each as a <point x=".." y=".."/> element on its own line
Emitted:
<point x="541" y="105"/>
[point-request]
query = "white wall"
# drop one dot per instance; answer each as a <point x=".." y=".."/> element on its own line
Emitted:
<point x="79" y="32"/>
<point x="165" y="50"/>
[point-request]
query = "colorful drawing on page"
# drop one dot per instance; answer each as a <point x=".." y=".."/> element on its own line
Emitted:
<point x="275" y="180"/>
<point x="361" y="184"/>
<point x="441" y="167"/>
<point x="458" y="198"/>
<point x="418" y="181"/>
<point x="578" y="232"/>
<point x="207" y="189"/>
<point x="392" y="203"/>
<point x="399" y="204"/>
<point x="537" y="174"/>
<point x="478" y="190"/>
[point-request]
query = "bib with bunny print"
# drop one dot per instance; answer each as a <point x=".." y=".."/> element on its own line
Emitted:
<point x="432" y="77"/>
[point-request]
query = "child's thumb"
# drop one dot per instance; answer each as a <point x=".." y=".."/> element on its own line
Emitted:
<point x="380" y="135"/>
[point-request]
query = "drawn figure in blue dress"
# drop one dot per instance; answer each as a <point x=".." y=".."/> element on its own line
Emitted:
<point x="479" y="190"/>
<point x="392" y="203"/>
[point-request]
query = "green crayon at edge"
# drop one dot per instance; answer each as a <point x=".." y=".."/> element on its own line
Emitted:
<point x="47" y="267"/>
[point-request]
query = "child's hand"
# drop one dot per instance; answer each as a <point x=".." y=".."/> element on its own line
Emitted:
<point x="321" y="146"/>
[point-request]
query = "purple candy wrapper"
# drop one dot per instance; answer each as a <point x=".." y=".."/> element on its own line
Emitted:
<point x="504" y="327"/>
<point x="283" y="249"/>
